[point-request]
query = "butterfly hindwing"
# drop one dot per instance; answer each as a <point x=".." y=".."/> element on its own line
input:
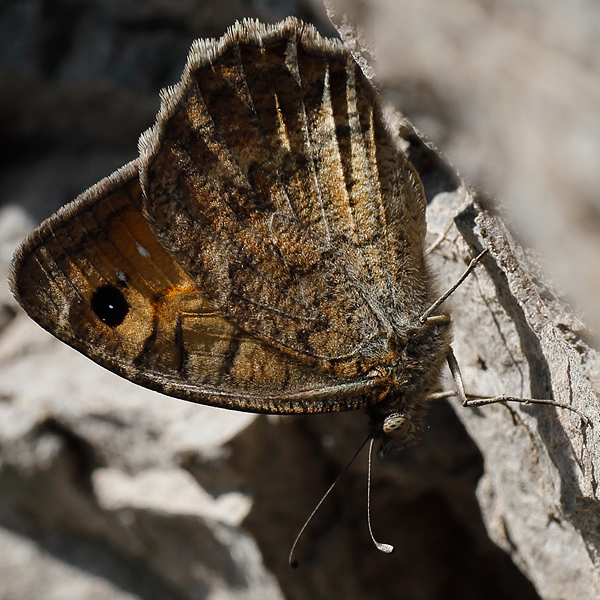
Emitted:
<point x="96" y="277"/>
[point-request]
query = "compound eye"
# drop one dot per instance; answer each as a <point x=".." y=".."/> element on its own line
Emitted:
<point x="396" y="425"/>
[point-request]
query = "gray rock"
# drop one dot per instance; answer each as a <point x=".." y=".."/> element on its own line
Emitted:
<point x="109" y="490"/>
<point x="510" y="92"/>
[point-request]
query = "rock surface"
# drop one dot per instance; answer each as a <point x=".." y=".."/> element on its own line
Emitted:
<point x="514" y="337"/>
<point x="111" y="491"/>
<point x="511" y="92"/>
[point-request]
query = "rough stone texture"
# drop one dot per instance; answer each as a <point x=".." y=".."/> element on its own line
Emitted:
<point x="111" y="491"/>
<point x="538" y="494"/>
<point x="513" y="336"/>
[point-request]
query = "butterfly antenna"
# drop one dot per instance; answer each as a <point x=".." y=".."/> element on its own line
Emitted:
<point x="292" y="561"/>
<point x="387" y="548"/>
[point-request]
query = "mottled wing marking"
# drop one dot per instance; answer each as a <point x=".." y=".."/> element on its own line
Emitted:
<point x="173" y="338"/>
<point x="271" y="177"/>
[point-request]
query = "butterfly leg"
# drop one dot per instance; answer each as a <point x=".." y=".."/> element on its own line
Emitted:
<point x="440" y="238"/>
<point x="474" y="262"/>
<point x="476" y="400"/>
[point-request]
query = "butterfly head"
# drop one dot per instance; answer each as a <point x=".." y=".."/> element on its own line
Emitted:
<point x="397" y="430"/>
<point x="399" y="418"/>
<point x="398" y="425"/>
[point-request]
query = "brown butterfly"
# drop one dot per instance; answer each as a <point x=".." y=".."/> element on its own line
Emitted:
<point x="264" y="253"/>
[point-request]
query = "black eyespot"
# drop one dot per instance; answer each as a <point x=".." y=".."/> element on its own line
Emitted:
<point x="110" y="305"/>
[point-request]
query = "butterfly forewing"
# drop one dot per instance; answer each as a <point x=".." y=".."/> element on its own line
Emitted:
<point x="272" y="179"/>
<point x="264" y="253"/>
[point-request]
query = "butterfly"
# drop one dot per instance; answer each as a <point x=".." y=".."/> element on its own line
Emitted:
<point x="264" y="253"/>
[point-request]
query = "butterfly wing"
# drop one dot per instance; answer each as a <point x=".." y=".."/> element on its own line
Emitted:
<point x="272" y="179"/>
<point x="96" y="277"/>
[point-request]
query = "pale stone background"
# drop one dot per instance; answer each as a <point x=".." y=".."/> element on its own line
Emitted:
<point x="110" y="491"/>
<point x="509" y="90"/>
